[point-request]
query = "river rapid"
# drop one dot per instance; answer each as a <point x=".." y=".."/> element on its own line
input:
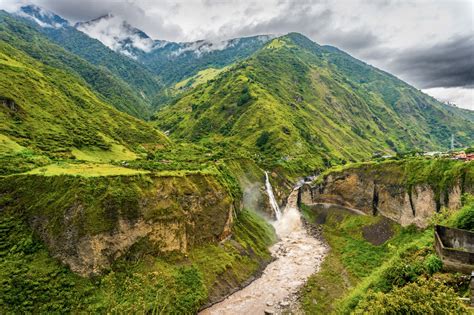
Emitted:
<point x="297" y="256"/>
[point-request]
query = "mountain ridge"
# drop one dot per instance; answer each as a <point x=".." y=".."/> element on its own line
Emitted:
<point x="296" y="103"/>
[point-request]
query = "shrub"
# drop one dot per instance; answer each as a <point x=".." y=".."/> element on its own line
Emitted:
<point x="432" y="264"/>
<point x="421" y="297"/>
<point x="263" y="139"/>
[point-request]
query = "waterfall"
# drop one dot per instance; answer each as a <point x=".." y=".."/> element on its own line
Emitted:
<point x="271" y="196"/>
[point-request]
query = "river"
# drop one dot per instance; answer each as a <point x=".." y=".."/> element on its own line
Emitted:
<point x="297" y="256"/>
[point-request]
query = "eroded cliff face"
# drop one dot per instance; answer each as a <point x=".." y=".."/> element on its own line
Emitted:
<point x="88" y="223"/>
<point x="386" y="192"/>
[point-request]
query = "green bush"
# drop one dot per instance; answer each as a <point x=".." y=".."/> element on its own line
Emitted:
<point x="421" y="297"/>
<point x="263" y="139"/>
<point x="464" y="218"/>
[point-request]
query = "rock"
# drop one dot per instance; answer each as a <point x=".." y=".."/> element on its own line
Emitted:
<point x="269" y="303"/>
<point x="377" y="191"/>
<point x="269" y="312"/>
<point x="284" y="303"/>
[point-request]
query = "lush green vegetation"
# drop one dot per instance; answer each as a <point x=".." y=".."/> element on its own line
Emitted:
<point x="390" y="278"/>
<point x="130" y="71"/>
<point x="32" y="281"/>
<point x="300" y="106"/>
<point x="420" y="297"/>
<point x="174" y="62"/>
<point x="23" y="35"/>
<point x="50" y="112"/>
<point x="289" y="105"/>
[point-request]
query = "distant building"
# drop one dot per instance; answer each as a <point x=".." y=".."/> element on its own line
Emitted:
<point x="462" y="156"/>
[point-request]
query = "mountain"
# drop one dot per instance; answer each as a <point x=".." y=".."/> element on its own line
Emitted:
<point x="137" y="76"/>
<point x="148" y="66"/>
<point x="23" y="35"/>
<point x="118" y="35"/>
<point x="52" y="111"/>
<point x="177" y="61"/>
<point x="172" y="61"/>
<point x="301" y="105"/>
<point x="43" y="17"/>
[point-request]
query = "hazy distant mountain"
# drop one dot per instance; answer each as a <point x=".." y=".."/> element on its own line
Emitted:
<point x="117" y="34"/>
<point x="43" y="17"/>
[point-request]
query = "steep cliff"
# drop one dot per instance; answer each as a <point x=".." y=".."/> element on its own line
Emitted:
<point x="88" y="223"/>
<point x="407" y="191"/>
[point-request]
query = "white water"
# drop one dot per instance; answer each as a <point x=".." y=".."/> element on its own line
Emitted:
<point x="271" y="197"/>
<point x="297" y="256"/>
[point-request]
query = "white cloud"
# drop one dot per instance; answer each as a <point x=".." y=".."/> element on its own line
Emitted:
<point x="461" y="97"/>
<point x="113" y="31"/>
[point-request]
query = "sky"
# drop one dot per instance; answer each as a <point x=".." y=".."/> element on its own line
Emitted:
<point x="427" y="43"/>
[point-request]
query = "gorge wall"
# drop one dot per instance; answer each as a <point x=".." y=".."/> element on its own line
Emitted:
<point x="407" y="191"/>
<point x="88" y="223"/>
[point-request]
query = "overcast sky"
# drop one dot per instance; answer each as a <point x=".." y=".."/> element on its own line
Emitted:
<point x="429" y="44"/>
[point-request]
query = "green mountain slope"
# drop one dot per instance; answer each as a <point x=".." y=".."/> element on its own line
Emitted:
<point x="302" y="105"/>
<point x="49" y="111"/>
<point x="92" y="50"/>
<point x="22" y="35"/>
<point x="177" y="61"/>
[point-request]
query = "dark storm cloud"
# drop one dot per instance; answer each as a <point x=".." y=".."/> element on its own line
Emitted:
<point x="447" y="64"/>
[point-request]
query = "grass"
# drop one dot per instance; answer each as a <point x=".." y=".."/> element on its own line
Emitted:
<point x="116" y="152"/>
<point x="201" y="77"/>
<point x="355" y="270"/>
<point x="85" y="170"/>
<point x="9" y="146"/>
<point x="54" y="110"/>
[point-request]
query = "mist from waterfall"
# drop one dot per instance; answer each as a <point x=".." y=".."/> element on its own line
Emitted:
<point x="271" y="197"/>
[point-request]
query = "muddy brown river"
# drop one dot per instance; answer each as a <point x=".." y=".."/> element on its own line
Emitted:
<point x="297" y="256"/>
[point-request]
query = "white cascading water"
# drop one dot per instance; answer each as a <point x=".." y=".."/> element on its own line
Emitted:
<point x="271" y="197"/>
<point x="297" y="256"/>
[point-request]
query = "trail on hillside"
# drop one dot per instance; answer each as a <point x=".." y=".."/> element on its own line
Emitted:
<point x="297" y="256"/>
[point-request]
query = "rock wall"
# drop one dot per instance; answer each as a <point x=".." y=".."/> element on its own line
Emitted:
<point x="88" y="223"/>
<point x="379" y="191"/>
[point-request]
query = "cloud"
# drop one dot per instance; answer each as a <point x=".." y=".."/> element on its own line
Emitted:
<point x="114" y="32"/>
<point x="136" y="12"/>
<point x="446" y="64"/>
<point x="461" y="97"/>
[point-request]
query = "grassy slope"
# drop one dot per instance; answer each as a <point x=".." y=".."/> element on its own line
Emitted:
<point x="22" y="35"/>
<point x="302" y="106"/>
<point x="54" y="111"/>
<point x="92" y="50"/>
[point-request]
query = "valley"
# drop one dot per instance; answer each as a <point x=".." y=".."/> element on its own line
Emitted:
<point x="257" y="175"/>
